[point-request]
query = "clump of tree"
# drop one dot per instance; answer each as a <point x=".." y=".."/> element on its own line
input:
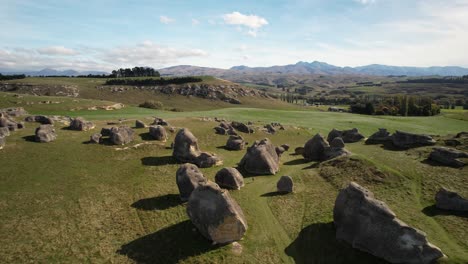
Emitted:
<point x="135" y="72"/>
<point x="149" y="82"/>
<point x="151" y="104"/>
<point x="448" y="79"/>
<point x="11" y="77"/>
<point x="396" y="105"/>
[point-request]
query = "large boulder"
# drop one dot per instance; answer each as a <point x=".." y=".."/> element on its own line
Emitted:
<point x="235" y="143"/>
<point x="285" y="184"/>
<point x="80" y="124"/>
<point x="45" y="134"/>
<point x="158" y="132"/>
<point x="371" y="226"/>
<point x="242" y="127"/>
<point x="13" y="111"/>
<point x="348" y="136"/>
<point x="4" y="132"/>
<point x="270" y="129"/>
<point x="380" y="137"/>
<point x="11" y="124"/>
<point x="449" y="200"/>
<point x="314" y="148"/>
<point x="140" y="124"/>
<point x="229" y="178"/>
<point x="121" y="135"/>
<point x="336" y="149"/>
<point x="188" y="177"/>
<point x="261" y="158"/>
<point x="220" y="130"/>
<point x="105" y="131"/>
<point x="159" y="122"/>
<point x="95" y="138"/>
<point x="186" y="150"/>
<point x="408" y="140"/>
<point x="45" y="120"/>
<point x="215" y="214"/>
<point x="449" y="156"/>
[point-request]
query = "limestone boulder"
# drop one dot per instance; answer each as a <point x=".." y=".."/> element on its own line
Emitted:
<point x="220" y="130"/>
<point x="270" y="129"/>
<point x="348" y="136"/>
<point x="229" y="178"/>
<point x="261" y="158"/>
<point x="159" y="121"/>
<point x="448" y="200"/>
<point x="186" y="150"/>
<point x="242" y="127"/>
<point x="314" y="149"/>
<point x="140" y="124"/>
<point x="371" y="226"/>
<point x="158" y="132"/>
<point x="449" y="156"/>
<point x="4" y="132"/>
<point x="121" y="135"/>
<point x="45" y="134"/>
<point x="406" y="140"/>
<point x="380" y="137"/>
<point x="80" y="124"/>
<point x="105" y="131"/>
<point x="45" y="120"/>
<point x="215" y="214"/>
<point x="95" y="138"/>
<point x="235" y="143"/>
<point x="188" y="177"/>
<point x="285" y="184"/>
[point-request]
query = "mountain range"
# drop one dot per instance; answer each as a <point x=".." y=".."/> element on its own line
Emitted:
<point x="53" y="72"/>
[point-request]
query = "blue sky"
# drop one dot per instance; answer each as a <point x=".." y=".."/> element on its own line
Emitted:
<point x="103" y="35"/>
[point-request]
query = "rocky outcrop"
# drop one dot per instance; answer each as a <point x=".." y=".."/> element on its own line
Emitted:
<point x="105" y="131"/>
<point x="318" y="149"/>
<point x="220" y="130"/>
<point x="279" y="150"/>
<point x="186" y="150"/>
<point x="4" y="132"/>
<point x="159" y="122"/>
<point x="140" y="124"/>
<point x="348" y="136"/>
<point x="39" y="89"/>
<point x="12" y="125"/>
<point x="45" y="134"/>
<point x="336" y="149"/>
<point x="285" y="184"/>
<point x="121" y="135"/>
<point x="380" y="137"/>
<point x="188" y="177"/>
<point x="158" y="132"/>
<point x="270" y="129"/>
<point x="215" y="214"/>
<point x="261" y="158"/>
<point x="229" y="178"/>
<point x="95" y="138"/>
<point x="406" y="140"/>
<point x="448" y="156"/>
<point x="235" y="143"/>
<point x="448" y="200"/>
<point x="242" y="127"/>
<point x="80" y="124"/>
<point x="45" y="120"/>
<point x="13" y="111"/>
<point x="371" y="226"/>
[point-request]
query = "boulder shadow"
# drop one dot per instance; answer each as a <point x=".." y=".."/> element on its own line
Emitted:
<point x="432" y="210"/>
<point x="246" y="174"/>
<point x="158" y="203"/>
<point x="435" y="163"/>
<point x="30" y="138"/>
<point x="314" y="165"/>
<point x="390" y="147"/>
<point x="316" y="243"/>
<point x="158" y="161"/>
<point x="146" y="136"/>
<point x="295" y="162"/>
<point x="271" y="194"/>
<point x="168" y="245"/>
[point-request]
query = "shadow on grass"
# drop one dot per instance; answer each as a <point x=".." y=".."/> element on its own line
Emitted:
<point x="168" y="245"/>
<point x="314" y="165"/>
<point x="316" y="243"/>
<point x="295" y="162"/>
<point x="432" y="210"/>
<point x="158" y="161"/>
<point x="146" y="136"/>
<point x="271" y="194"/>
<point x="246" y="174"/>
<point x="435" y="163"/>
<point x="158" y="203"/>
<point x="31" y="138"/>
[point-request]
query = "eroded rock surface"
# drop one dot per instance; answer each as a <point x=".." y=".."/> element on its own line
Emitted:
<point x="285" y="184"/>
<point x="449" y="200"/>
<point x="80" y="124"/>
<point x="449" y="156"/>
<point x="348" y="136"/>
<point x="380" y="137"/>
<point x="235" y="143"/>
<point x="121" y="135"/>
<point x="261" y="158"/>
<point x="186" y="150"/>
<point x="229" y="178"/>
<point x="188" y="177"/>
<point x="158" y="132"/>
<point x="45" y="134"/>
<point x="408" y="140"/>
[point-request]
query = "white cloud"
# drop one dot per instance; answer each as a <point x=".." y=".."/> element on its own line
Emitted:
<point x="252" y="22"/>
<point x="365" y="2"/>
<point x="57" y="50"/>
<point x="166" y="20"/>
<point x="195" y="22"/>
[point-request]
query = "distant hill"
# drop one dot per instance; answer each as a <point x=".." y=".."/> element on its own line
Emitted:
<point x="316" y="67"/>
<point x="53" y="72"/>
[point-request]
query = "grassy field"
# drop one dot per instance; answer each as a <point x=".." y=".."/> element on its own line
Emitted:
<point x="72" y="202"/>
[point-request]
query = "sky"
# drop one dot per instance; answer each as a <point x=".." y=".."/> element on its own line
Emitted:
<point x="106" y="35"/>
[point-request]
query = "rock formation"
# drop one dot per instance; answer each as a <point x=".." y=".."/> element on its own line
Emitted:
<point x="370" y="225"/>
<point x="80" y="124"/>
<point x="235" y="143"/>
<point x="314" y="148"/>
<point x="261" y="158"/>
<point x="140" y="124"/>
<point x="188" y="177"/>
<point x="242" y="127"/>
<point x="158" y="132"/>
<point x="45" y="120"/>
<point x="121" y="135"/>
<point x="159" y="122"/>
<point x="186" y="150"/>
<point x="408" y="140"/>
<point x="380" y="137"/>
<point x="45" y="134"/>
<point x="229" y="178"/>
<point x="449" y="156"/>
<point x="449" y="200"/>
<point x="216" y="214"/>
<point x="95" y="138"/>
<point x="348" y="136"/>
<point x="285" y="184"/>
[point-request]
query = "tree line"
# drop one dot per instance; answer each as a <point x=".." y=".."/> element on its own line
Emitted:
<point x="402" y="105"/>
<point x="149" y="82"/>
<point x="11" y="77"/>
<point x="135" y="72"/>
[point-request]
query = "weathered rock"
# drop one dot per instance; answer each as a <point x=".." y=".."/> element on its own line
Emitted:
<point x="2" y="142"/>
<point x="225" y="125"/>
<point x="80" y="124"/>
<point x="408" y="140"/>
<point x="279" y="151"/>
<point x="299" y="151"/>
<point x="186" y="150"/>
<point x="380" y="137"/>
<point x="216" y="214"/>
<point x="314" y="148"/>
<point x="449" y="156"/>
<point x="4" y="132"/>
<point x="12" y="125"/>
<point x="285" y="184"/>
<point x="121" y="135"/>
<point x="140" y="124"/>
<point x="159" y="121"/>
<point x="105" y="131"/>
<point x="229" y="178"/>
<point x="45" y="134"/>
<point x="336" y="149"/>
<point x="462" y="134"/>
<point x="285" y="146"/>
<point x="370" y="225"/>
<point x="337" y="143"/>
<point x="261" y="158"/>
<point x="242" y="127"/>
<point x="348" y="136"/>
<point x="449" y="200"/>
<point x="45" y="120"/>
<point x="220" y="130"/>
<point x="452" y="142"/>
<point x="95" y="138"/>
<point x="270" y="129"/>
<point x="13" y="111"/>
<point x="188" y="177"/>
<point x="231" y="131"/>
<point x="158" y="132"/>
<point x="235" y="143"/>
